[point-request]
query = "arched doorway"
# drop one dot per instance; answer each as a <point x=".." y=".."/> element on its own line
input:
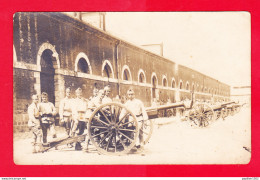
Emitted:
<point x="47" y="74"/>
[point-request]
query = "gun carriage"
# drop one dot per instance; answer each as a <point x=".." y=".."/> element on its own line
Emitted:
<point x="113" y="129"/>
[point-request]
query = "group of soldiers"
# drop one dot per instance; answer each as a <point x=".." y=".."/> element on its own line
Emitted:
<point x="74" y="114"/>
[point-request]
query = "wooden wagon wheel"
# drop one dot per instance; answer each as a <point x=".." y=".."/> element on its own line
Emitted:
<point x="113" y="129"/>
<point x="201" y="115"/>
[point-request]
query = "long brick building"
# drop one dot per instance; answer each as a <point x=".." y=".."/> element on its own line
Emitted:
<point x="53" y="51"/>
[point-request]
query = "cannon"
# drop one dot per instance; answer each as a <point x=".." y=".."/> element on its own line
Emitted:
<point x="112" y="133"/>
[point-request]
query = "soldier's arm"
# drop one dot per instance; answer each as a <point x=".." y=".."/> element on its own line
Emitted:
<point x="53" y="110"/>
<point x="61" y="108"/>
<point x="145" y="116"/>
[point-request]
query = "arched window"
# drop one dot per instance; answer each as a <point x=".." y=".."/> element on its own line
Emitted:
<point x="141" y="76"/>
<point x="193" y="87"/>
<point x="202" y="88"/>
<point x="154" y="80"/>
<point x="107" y="70"/>
<point x="205" y="89"/>
<point x="187" y="85"/>
<point x="164" y="81"/>
<point x="83" y="66"/>
<point x="173" y="83"/>
<point x="198" y="87"/>
<point x="126" y="74"/>
<point x="180" y="86"/>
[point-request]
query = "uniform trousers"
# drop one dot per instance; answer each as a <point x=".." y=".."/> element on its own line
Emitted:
<point x="45" y="127"/>
<point x="67" y="123"/>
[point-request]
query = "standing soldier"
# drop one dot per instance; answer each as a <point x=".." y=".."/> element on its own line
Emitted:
<point x="97" y="101"/>
<point x="65" y="111"/>
<point x="34" y="122"/>
<point x="79" y="116"/>
<point x="137" y="107"/>
<point x="47" y="112"/>
<point x="107" y="98"/>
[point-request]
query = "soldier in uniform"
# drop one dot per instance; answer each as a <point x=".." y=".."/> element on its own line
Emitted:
<point x="47" y="112"/>
<point x="79" y="116"/>
<point x="65" y="111"/>
<point x="34" y="122"/>
<point x="107" y="98"/>
<point x="97" y="101"/>
<point x="137" y="107"/>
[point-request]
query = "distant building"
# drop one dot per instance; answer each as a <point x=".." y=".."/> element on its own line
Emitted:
<point x="241" y="94"/>
<point x="53" y="51"/>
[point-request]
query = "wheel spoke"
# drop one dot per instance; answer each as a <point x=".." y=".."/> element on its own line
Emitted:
<point x="120" y="120"/>
<point x="144" y="132"/>
<point x="117" y="112"/>
<point x="101" y="121"/>
<point x="125" y="123"/>
<point x="104" y="115"/>
<point x="121" y="141"/>
<point x="108" y="142"/>
<point x="100" y="133"/>
<point x="104" y="138"/>
<point x="115" y="142"/>
<point x="126" y="136"/>
<point x="127" y="130"/>
<point x="100" y="127"/>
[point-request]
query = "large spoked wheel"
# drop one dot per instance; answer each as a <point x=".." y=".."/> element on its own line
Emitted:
<point x="201" y="115"/>
<point x="146" y="130"/>
<point x="113" y="129"/>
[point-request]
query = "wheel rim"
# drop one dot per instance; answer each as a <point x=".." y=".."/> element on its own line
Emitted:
<point x="146" y="130"/>
<point x="113" y="129"/>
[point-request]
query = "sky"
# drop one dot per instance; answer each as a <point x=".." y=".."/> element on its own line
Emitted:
<point x="214" y="43"/>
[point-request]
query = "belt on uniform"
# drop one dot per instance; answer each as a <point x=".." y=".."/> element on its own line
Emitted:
<point x="37" y="117"/>
<point x="46" y="115"/>
<point x="139" y="115"/>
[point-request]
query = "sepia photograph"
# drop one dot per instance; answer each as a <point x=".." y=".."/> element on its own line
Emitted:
<point x="97" y="88"/>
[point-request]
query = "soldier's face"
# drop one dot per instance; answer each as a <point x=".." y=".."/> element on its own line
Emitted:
<point x="35" y="100"/>
<point x="131" y="95"/>
<point x="68" y="93"/>
<point x="108" y="92"/>
<point x="44" y="99"/>
<point x="79" y="94"/>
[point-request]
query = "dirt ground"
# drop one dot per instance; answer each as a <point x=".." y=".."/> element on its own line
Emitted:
<point x="173" y="142"/>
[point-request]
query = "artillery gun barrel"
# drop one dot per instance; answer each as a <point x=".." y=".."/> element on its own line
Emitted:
<point x="220" y="106"/>
<point x="153" y="111"/>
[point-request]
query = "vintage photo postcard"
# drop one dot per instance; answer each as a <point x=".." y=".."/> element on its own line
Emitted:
<point x="131" y="88"/>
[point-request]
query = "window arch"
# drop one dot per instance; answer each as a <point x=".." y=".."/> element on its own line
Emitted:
<point x="198" y="88"/>
<point x="82" y="64"/>
<point x="202" y="88"/>
<point x="193" y="87"/>
<point x="181" y="84"/>
<point x="164" y="81"/>
<point x="43" y="47"/>
<point x="173" y="83"/>
<point x="141" y="76"/>
<point x="107" y="70"/>
<point x="154" y="79"/>
<point x="205" y="89"/>
<point x="187" y="85"/>
<point x="126" y="73"/>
